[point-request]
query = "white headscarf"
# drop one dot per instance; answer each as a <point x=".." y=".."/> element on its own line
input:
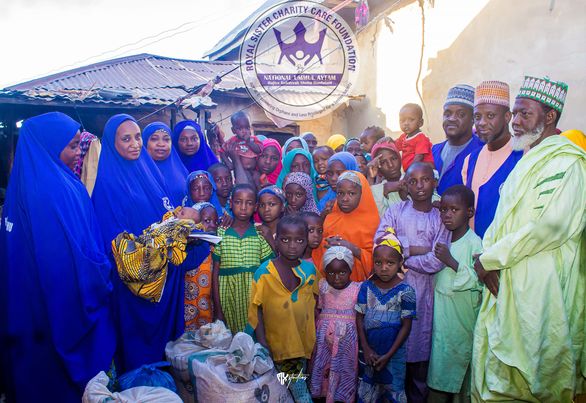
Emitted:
<point x="339" y="253"/>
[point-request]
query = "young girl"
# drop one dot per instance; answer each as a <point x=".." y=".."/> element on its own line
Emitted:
<point x="198" y="281"/>
<point x="320" y="161"/>
<point x="362" y="164"/>
<point x="236" y="258"/>
<point x="296" y="160"/>
<point x="298" y="188"/>
<point x="335" y="360"/>
<point x="315" y="232"/>
<point x="385" y="164"/>
<point x="269" y="163"/>
<point x="271" y="207"/>
<point x="385" y="309"/>
<point x="338" y="163"/>
<point x="352" y="222"/>
<point x="281" y="311"/>
<point x="202" y="188"/>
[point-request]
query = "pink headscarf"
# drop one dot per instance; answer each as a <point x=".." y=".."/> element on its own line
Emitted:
<point x="272" y="177"/>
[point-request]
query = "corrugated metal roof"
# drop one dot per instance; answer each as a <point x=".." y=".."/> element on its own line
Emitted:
<point x="134" y="80"/>
<point x="233" y="38"/>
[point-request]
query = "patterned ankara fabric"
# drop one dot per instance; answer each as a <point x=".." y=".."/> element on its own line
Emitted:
<point x="335" y="362"/>
<point x="142" y="261"/>
<point x="198" y="295"/>
<point x="383" y="311"/>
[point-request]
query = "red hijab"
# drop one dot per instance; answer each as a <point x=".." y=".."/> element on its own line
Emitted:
<point x="272" y="177"/>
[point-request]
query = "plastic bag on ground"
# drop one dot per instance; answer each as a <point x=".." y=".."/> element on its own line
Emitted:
<point x="212" y="384"/>
<point x="96" y="391"/>
<point x="246" y="360"/>
<point x="148" y="375"/>
<point x="208" y="340"/>
<point x="213" y="336"/>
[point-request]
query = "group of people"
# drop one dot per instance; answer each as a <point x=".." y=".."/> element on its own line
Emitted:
<point x="382" y="269"/>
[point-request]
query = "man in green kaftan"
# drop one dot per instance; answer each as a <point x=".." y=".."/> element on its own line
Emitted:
<point x="529" y="336"/>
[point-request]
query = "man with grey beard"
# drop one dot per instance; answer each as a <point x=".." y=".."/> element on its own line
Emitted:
<point x="529" y="337"/>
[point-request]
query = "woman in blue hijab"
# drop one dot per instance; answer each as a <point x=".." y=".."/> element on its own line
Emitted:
<point x="337" y="163"/>
<point x="156" y="138"/>
<point x="202" y="193"/>
<point x="130" y="195"/>
<point x="56" y="326"/>
<point x="194" y="151"/>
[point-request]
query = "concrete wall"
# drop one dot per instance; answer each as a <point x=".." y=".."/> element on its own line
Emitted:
<point x="467" y="41"/>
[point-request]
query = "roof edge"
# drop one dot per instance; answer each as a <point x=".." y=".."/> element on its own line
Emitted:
<point x="78" y="70"/>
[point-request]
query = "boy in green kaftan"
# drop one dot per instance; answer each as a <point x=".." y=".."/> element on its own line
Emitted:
<point x="457" y="297"/>
<point x="529" y="336"/>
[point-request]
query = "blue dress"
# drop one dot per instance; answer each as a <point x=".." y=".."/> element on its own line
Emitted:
<point x="383" y="311"/>
<point x="56" y="326"/>
<point x="130" y="196"/>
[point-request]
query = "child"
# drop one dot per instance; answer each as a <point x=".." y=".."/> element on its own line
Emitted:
<point x="202" y="188"/>
<point x="369" y="137"/>
<point x="281" y="310"/>
<point x="248" y="145"/>
<point x="315" y="232"/>
<point x="353" y="146"/>
<point x="320" y="160"/>
<point x="338" y="163"/>
<point x="457" y="297"/>
<point x="311" y="141"/>
<point x="244" y="165"/>
<point x="198" y="281"/>
<point x="386" y="163"/>
<point x="222" y="176"/>
<point x="184" y="213"/>
<point x="298" y="188"/>
<point x="271" y="207"/>
<point x="419" y="227"/>
<point x="335" y="360"/>
<point x="269" y="163"/>
<point x="413" y="144"/>
<point x="236" y="258"/>
<point x="362" y="164"/>
<point x="386" y="308"/>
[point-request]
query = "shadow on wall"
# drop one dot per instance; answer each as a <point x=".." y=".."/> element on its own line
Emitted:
<point x="368" y="112"/>
<point x="364" y="112"/>
<point x="507" y="40"/>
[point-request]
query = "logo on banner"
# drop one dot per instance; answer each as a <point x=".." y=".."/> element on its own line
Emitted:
<point x="299" y="60"/>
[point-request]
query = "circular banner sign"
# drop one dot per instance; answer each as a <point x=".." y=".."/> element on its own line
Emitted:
<point x="299" y="60"/>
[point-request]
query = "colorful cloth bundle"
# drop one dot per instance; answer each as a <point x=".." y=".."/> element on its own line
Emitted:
<point x="142" y="261"/>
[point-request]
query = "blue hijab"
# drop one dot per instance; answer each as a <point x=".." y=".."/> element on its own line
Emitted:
<point x="304" y="145"/>
<point x="55" y="284"/>
<point x="203" y="158"/>
<point x="351" y="165"/>
<point x="288" y="160"/>
<point x="172" y="168"/>
<point x="129" y="195"/>
<point x="213" y="200"/>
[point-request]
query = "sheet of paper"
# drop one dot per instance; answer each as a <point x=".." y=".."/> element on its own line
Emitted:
<point x="204" y="236"/>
